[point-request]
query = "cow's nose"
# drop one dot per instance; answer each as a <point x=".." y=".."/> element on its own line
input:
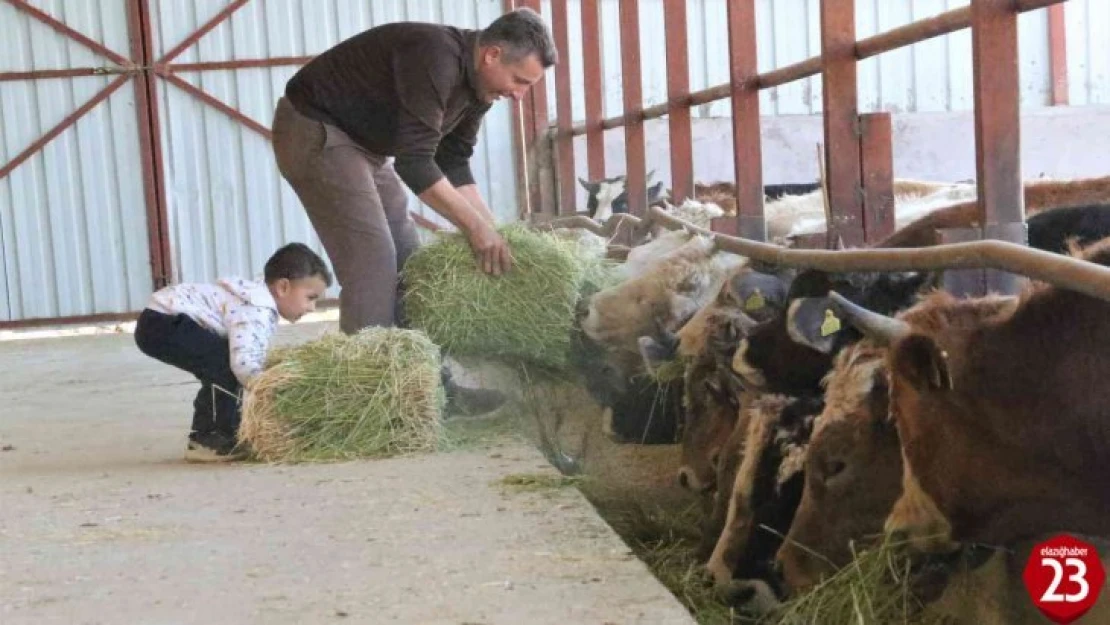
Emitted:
<point x="686" y="478"/>
<point x="776" y="569"/>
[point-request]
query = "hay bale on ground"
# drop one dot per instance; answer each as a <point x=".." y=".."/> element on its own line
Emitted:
<point x="374" y="394"/>
<point x="525" y="315"/>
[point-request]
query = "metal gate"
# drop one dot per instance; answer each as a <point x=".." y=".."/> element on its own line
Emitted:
<point x="78" y="227"/>
<point x="182" y="185"/>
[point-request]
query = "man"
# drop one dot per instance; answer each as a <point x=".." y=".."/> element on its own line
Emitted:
<point x="417" y="93"/>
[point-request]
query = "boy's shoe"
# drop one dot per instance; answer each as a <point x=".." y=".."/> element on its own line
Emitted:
<point x="213" y="447"/>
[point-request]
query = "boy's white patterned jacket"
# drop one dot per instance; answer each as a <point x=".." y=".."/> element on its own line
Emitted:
<point x="241" y="310"/>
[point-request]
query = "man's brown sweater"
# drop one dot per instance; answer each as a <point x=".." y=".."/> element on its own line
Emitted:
<point x="403" y="89"/>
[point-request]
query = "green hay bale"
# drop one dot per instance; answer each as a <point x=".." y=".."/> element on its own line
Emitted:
<point x="374" y="394"/>
<point x="876" y="588"/>
<point x="524" y="315"/>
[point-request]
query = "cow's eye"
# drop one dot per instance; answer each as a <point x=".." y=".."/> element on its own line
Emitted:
<point x="833" y="469"/>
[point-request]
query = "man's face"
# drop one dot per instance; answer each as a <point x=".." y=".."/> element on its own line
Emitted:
<point x="498" y="79"/>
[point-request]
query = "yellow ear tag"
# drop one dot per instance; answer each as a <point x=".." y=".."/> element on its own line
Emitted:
<point x="755" y="301"/>
<point x="831" y="325"/>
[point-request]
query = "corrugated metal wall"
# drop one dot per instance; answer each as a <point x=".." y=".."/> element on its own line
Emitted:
<point x="931" y="76"/>
<point x="1088" y="23"/>
<point x="73" y="237"/>
<point x="228" y="206"/>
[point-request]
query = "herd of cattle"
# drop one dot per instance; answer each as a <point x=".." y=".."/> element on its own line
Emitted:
<point x="818" y="411"/>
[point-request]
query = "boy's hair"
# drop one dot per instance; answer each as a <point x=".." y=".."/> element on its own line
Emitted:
<point x="521" y="32"/>
<point x="295" y="261"/>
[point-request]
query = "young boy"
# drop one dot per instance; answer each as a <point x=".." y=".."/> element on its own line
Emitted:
<point x="221" y="333"/>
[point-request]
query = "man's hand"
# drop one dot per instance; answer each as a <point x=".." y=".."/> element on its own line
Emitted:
<point x="492" y="252"/>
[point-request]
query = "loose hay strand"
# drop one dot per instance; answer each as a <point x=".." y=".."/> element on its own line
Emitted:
<point x="374" y="394"/>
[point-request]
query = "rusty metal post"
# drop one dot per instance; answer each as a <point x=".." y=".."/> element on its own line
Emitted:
<point x="563" y="110"/>
<point x="877" y="165"/>
<point x="150" y="141"/>
<point x="994" y="40"/>
<point x="636" y="164"/>
<point x="591" y="75"/>
<point x="678" y="86"/>
<point x="520" y="139"/>
<point x="841" y="117"/>
<point x="747" y="146"/>
<point x="962" y="282"/>
<point x="1058" y="53"/>
<point x="535" y="122"/>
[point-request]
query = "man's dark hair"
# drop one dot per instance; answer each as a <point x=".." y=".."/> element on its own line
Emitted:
<point x="521" y="32"/>
<point x="295" y="261"/>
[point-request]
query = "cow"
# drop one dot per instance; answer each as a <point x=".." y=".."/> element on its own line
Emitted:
<point x="779" y="357"/>
<point x="1000" y="406"/>
<point x="705" y="344"/>
<point x="663" y="298"/>
<point x="1040" y="196"/>
<point x="655" y="298"/>
<point x="609" y="196"/>
<point x="853" y="471"/>
<point x="773" y="357"/>
<point x="763" y="464"/>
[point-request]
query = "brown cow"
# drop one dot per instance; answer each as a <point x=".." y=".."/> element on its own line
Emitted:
<point x="853" y="470"/>
<point x="1039" y="196"/>
<point x="1001" y="408"/>
<point x="767" y="457"/>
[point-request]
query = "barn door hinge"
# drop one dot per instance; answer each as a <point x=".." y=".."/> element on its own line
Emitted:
<point x="121" y="69"/>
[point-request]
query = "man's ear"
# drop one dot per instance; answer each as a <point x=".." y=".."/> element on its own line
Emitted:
<point x="923" y="363"/>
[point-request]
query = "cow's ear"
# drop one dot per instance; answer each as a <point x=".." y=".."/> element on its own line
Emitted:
<point x="923" y="363"/>
<point x="812" y="322"/>
<point x="590" y="187"/>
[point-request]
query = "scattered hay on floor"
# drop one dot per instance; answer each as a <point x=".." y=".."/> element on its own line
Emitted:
<point x="665" y="540"/>
<point x="876" y="588"/>
<point x="524" y="315"/>
<point x="533" y="482"/>
<point x="374" y="394"/>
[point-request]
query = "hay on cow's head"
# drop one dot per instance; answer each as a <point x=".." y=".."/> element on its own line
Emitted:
<point x="524" y="315"/>
<point x="375" y="394"/>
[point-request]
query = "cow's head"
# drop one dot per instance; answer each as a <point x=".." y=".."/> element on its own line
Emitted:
<point x="609" y="196"/>
<point x="663" y="298"/>
<point x="766" y="487"/>
<point x="853" y="471"/>
<point x="713" y="399"/>
<point x="794" y="351"/>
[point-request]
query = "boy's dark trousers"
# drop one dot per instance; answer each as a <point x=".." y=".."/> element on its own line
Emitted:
<point x="179" y="341"/>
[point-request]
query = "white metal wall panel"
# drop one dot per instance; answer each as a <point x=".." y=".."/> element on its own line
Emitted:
<point x="1088" y="26"/>
<point x="73" y="235"/>
<point x="228" y="206"/>
<point x="931" y="76"/>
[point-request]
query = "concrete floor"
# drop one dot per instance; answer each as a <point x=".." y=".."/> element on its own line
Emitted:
<point x="102" y="522"/>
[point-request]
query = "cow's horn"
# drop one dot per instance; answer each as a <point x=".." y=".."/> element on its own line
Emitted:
<point x="879" y="328"/>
